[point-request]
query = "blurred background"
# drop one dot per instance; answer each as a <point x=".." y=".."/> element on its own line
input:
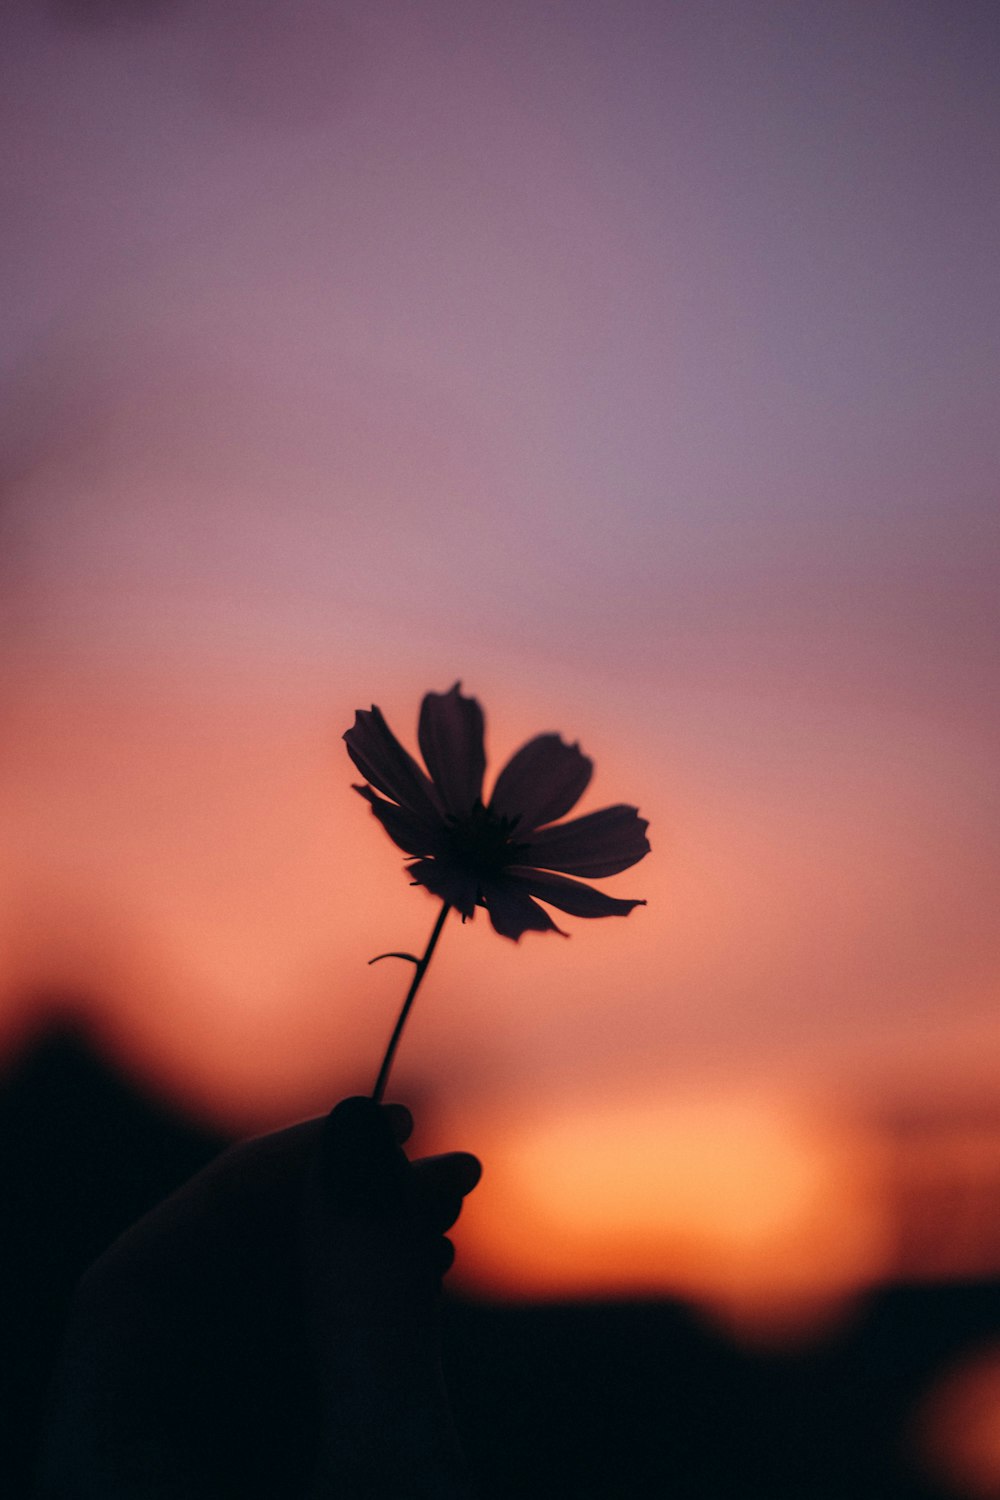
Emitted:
<point x="635" y="364"/>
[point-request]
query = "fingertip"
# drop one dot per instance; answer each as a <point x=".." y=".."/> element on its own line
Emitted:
<point x="400" y="1121"/>
<point x="456" y="1172"/>
<point x="354" y="1110"/>
<point x="446" y="1256"/>
<point x="469" y="1170"/>
<point x="359" y="1149"/>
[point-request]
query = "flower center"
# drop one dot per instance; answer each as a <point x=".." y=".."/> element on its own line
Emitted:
<point x="482" y="841"/>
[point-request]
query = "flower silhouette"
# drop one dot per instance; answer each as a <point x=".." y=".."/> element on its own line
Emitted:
<point x="504" y="853"/>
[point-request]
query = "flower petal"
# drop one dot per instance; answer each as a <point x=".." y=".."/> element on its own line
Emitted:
<point x="600" y="843"/>
<point x="413" y="834"/>
<point x="569" y="895"/>
<point x="382" y="760"/>
<point x="448" y="882"/>
<point x="541" y="782"/>
<point x="512" y="911"/>
<point x="451" y="743"/>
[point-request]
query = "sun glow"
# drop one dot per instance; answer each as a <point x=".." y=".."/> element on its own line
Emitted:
<point x="764" y="1212"/>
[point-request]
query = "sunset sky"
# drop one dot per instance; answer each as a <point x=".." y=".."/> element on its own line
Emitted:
<point x="634" y="363"/>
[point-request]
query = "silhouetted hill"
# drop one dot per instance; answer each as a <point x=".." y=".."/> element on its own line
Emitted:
<point x="83" y="1154"/>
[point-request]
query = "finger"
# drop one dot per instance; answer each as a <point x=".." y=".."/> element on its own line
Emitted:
<point x="440" y="1212"/>
<point x="364" y="1168"/>
<point x="456" y="1172"/>
<point x="400" y="1121"/>
<point x="441" y="1183"/>
<point x="445" y="1257"/>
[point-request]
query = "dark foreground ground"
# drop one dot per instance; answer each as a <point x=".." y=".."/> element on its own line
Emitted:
<point x="639" y="1399"/>
<point x="565" y="1402"/>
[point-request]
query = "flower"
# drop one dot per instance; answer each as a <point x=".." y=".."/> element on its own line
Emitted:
<point x="503" y="853"/>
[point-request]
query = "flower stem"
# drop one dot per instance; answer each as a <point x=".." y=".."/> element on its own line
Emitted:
<point x="419" y="971"/>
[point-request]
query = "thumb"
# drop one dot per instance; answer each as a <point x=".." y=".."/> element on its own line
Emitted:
<point x="363" y="1169"/>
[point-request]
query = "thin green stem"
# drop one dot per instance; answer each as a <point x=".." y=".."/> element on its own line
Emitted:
<point x="418" y="974"/>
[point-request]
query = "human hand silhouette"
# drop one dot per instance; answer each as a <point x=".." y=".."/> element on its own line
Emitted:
<point x="374" y="1253"/>
<point x="374" y="1223"/>
<point x="271" y="1329"/>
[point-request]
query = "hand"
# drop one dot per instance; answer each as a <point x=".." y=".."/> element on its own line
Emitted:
<point x="271" y="1329"/>
<point x="374" y="1254"/>
<point x="374" y="1223"/>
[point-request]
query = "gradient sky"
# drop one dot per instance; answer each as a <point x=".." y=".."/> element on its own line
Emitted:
<point x="635" y="363"/>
